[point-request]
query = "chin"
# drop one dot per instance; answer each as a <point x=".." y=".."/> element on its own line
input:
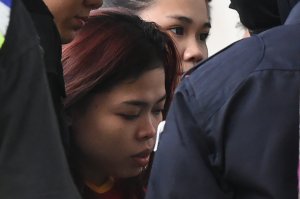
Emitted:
<point x="130" y="173"/>
<point x="67" y="38"/>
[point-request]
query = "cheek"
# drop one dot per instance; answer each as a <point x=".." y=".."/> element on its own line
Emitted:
<point x="88" y="132"/>
<point x="102" y="150"/>
<point x="88" y="140"/>
<point x="102" y="137"/>
<point x="180" y="44"/>
<point x="158" y="120"/>
<point x="204" y="50"/>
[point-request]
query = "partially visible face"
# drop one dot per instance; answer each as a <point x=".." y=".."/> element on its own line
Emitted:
<point x="71" y="15"/>
<point x="116" y="133"/>
<point x="187" y="21"/>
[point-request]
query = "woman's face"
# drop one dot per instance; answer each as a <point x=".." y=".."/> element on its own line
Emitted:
<point x="116" y="133"/>
<point x="187" y="22"/>
<point x="71" y="15"/>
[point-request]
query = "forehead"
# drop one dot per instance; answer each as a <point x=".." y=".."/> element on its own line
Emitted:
<point x="149" y="87"/>
<point x="191" y="8"/>
<point x="161" y="11"/>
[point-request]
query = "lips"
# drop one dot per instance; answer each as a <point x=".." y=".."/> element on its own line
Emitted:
<point x="81" y="21"/>
<point x="142" y="158"/>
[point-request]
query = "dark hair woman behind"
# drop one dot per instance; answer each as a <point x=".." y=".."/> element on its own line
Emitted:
<point x="186" y="21"/>
<point x="120" y="74"/>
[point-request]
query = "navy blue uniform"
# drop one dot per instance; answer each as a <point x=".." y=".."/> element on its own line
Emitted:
<point x="232" y="130"/>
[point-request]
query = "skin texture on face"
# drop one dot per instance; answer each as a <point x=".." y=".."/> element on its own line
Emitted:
<point x="70" y="15"/>
<point x="187" y="21"/>
<point x="116" y="133"/>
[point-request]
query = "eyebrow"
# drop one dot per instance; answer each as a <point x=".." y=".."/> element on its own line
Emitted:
<point x="188" y="20"/>
<point x="143" y="103"/>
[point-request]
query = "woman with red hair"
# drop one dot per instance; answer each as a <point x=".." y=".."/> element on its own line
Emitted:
<point x="120" y="74"/>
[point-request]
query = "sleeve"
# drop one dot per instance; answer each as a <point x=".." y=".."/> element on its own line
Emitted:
<point x="32" y="159"/>
<point x="246" y="149"/>
<point x="259" y="137"/>
<point x="180" y="169"/>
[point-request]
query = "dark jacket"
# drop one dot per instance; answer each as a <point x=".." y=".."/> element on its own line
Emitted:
<point x="51" y="44"/>
<point x="233" y="127"/>
<point x="32" y="160"/>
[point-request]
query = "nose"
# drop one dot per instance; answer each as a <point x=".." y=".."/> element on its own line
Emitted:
<point x="194" y="52"/>
<point x="93" y="4"/>
<point x="147" y="129"/>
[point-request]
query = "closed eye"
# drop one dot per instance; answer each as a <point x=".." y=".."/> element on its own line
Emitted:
<point x="129" y="117"/>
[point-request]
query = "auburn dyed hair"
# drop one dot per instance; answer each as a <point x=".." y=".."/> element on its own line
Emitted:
<point x="112" y="47"/>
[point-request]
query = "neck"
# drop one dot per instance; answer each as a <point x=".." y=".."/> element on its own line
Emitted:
<point x="93" y="175"/>
<point x="107" y="186"/>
